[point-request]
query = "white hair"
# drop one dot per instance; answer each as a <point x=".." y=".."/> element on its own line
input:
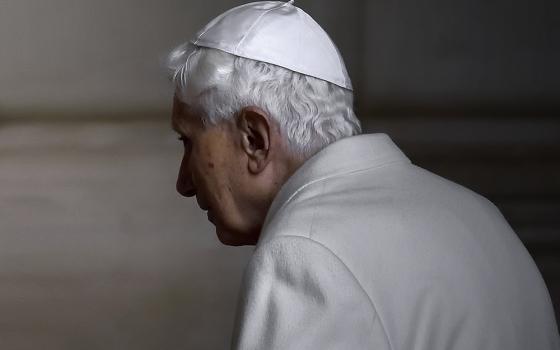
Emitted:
<point x="310" y="112"/>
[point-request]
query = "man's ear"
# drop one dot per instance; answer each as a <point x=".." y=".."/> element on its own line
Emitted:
<point x="255" y="129"/>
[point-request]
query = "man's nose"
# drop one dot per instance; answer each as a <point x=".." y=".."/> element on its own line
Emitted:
<point x="184" y="180"/>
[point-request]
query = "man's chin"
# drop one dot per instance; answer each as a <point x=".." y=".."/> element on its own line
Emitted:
<point x="232" y="238"/>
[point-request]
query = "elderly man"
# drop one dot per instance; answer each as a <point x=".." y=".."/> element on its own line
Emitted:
<point x="356" y="248"/>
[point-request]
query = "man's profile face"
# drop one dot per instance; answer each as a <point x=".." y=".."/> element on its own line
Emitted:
<point x="212" y="169"/>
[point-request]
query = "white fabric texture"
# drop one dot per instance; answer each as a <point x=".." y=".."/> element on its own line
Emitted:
<point x="278" y="33"/>
<point x="363" y="250"/>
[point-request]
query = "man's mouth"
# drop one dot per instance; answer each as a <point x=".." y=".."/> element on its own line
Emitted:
<point x="201" y="204"/>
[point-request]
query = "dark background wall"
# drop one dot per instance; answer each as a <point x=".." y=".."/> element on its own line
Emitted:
<point x="96" y="249"/>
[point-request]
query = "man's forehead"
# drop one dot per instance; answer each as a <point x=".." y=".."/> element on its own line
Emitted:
<point x="183" y="116"/>
<point x="179" y="105"/>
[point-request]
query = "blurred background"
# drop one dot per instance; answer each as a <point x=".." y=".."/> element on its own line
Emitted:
<point x="97" y="251"/>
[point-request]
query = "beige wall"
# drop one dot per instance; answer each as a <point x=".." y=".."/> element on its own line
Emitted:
<point x="92" y="54"/>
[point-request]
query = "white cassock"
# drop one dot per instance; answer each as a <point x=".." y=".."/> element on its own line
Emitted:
<point x="363" y="250"/>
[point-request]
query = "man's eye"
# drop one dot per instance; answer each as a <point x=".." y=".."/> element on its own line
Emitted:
<point x="186" y="141"/>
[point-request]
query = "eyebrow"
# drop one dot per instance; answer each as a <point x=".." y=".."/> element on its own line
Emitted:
<point x="175" y="125"/>
<point x="183" y="107"/>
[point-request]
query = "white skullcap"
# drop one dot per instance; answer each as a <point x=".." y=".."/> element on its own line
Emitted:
<point x="278" y="33"/>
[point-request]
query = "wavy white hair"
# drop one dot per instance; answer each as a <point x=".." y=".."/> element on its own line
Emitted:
<point x="311" y="112"/>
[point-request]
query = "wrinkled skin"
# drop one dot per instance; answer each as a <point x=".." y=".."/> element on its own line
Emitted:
<point x="234" y="169"/>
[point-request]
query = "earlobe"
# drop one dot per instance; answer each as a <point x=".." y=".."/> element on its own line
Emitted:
<point x="254" y="127"/>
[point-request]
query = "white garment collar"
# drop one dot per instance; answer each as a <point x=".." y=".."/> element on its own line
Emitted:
<point x="343" y="156"/>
